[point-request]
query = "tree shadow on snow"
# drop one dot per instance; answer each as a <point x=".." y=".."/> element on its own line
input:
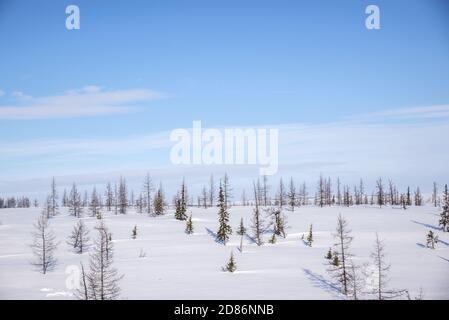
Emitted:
<point x="320" y="282"/>
<point x="426" y="225"/>
<point x="213" y="235"/>
<point x="443" y="242"/>
<point x="250" y="239"/>
<point x="305" y="242"/>
<point x="421" y="245"/>
<point x="447" y="260"/>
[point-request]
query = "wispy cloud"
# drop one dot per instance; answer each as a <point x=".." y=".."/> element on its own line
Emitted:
<point x="427" y="112"/>
<point x="408" y="152"/>
<point x="92" y="147"/>
<point x="88" y="101"/>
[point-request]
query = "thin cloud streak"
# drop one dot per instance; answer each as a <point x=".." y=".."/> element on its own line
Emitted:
<point x="87" y="102"/>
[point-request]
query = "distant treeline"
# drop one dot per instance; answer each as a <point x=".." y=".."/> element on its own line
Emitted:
<point x="20" y="202"/>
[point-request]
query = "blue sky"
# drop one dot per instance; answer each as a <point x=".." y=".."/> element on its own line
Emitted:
<point x="226" y="63"/>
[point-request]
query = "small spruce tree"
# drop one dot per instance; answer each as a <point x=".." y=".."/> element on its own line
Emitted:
<point x="444" y="220"/>
<point x="335" y="260"/>
<point x="134" y="232"/>
<point x="273" y="238"/>
<point x="189" y="225"/>
<point x="159" y="202"/>
<point x="231" y="266"/>
<point x="181" y="203"/>
<point x="241" y="230"/>
<point x="432" y="239"/>
<point x="224" y="229"/>
<point x="310" y="237"/>
<point x="329" y="255"/>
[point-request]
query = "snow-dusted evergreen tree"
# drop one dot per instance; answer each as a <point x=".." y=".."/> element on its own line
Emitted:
<point x="102" y="279"/>
<point x="75" y="203"/>
<point x="361" y="192"/>
<point x="328" y="191"/>
<point x="431" y="239"/>
<point x="181" y="204"/>
<point x="273" y="239"/>
<point x="310" y="236"/>
<point x="53" y="203"/>
<point x="134" y="233"/>
<point x="403" y="201"/>
<point x="139" y="204"/>
<point x="147" y="191"/>
<point x="408" y="197"/>
<point x="159" y="202"/>
<point x="44" y="245"/>
<point x="380" y="195"/>
<point x="257" y="221"/>
<point x="94" y="204"/>
<point x="231" y="266"/>
<point x="329" y="254"/>
<point x="65" y="199"/>
<point x="335" y="261"/>
<point x="292" y="196"/>
<point x="109" y="197"/>
<point x="224" y="229"/>
<point x="241" y="230"/>
<point x="189" y="225"/>
<point x="342" y="255"/>
<point x="444" y="217"/>
<point x="123" y="196"/>
<point x="418" y="197"/>
<point x="278" y="221"/>
<point x="320" y="198"/>
<point x="79" y="239"/>
<point x="391" y="192"/>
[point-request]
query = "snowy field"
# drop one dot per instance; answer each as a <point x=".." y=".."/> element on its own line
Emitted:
<point x="181" y="266"/>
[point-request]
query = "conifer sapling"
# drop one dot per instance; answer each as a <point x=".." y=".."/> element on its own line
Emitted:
<point x="231" y="266"/>
<point x="310" y="237"/>
<point x="189" y="225"/>
<point x="241" y="230"/>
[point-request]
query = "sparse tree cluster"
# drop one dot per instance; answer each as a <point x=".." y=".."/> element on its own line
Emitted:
<point x="101" y="281"/>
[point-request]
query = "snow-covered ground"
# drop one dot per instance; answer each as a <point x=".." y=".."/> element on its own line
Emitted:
<point x="181" y="266"/>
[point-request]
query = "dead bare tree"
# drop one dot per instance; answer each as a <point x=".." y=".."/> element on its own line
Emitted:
<point x="341" y="271"/>
<point x="101" y="283"/>
<point x="44" y="245"/>
<point x="381" y="273"/>
<point x="257" y="222"/>
<point x="79" y="239"/>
